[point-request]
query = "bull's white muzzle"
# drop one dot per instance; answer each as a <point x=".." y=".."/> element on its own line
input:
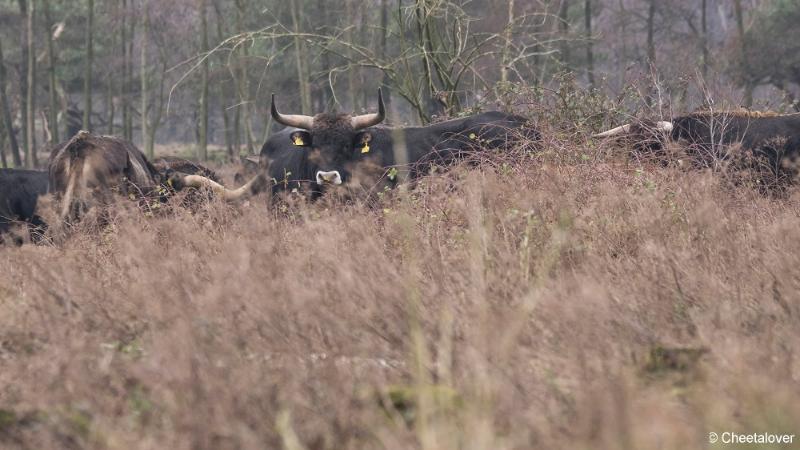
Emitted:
<point x="332" y="177"/>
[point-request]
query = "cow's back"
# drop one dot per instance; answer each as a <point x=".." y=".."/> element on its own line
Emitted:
<point x="89" y="169"/>
<point x="109" y="157"/>
<point x="749" y="129"/>
<point x="165" y="164"/>
<point x="445" y="142"/>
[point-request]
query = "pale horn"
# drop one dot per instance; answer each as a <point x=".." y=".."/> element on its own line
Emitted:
<point x="291" y="120"/>
<point x="369" y="120"/>
<point x="252" y="187"/>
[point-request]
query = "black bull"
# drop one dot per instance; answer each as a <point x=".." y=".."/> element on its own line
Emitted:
<point x="19" y="194"/>
<point x="332" y="149"/>
<point x="771" y="141"/>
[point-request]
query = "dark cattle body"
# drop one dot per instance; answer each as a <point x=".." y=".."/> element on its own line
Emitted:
<point x="166" y="164"/>
<point x="331" y="148"/>
<point x="707" y="129"/>
<point x="770" y="140"/>
<point x="169" y="166"/>
<point x="704" y="130"/>
<point x="19" y="194"/>
<point x="89" y="170"/>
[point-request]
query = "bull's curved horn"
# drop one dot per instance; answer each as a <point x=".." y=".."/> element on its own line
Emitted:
<point x="661" y="125"/>
<point x="624" y="129"/>
<point x="250" y="188"/>
<point x="368" y="120"/>
<point x="664" y="126"/>
<point x="291" y="120"/>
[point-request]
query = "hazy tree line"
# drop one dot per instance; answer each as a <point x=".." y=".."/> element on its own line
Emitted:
<point x="201" y="71"/>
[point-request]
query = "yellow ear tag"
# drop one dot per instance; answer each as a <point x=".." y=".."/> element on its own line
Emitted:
<point x="297" y="140"/>
<point x="365" y="148"/>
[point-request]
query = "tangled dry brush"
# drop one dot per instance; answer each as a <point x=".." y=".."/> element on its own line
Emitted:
<point x="560" y="299"/>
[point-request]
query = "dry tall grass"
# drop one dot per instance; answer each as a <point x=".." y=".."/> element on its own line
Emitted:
<point x="551" y="301"/>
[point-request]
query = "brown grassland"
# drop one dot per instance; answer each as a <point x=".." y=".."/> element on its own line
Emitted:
<point x="563" y="299"/>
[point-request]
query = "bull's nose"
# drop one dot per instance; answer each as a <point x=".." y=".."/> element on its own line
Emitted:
<point x="329" y="177"/>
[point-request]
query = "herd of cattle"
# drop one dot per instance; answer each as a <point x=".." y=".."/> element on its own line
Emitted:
<point x="314" y="153"/>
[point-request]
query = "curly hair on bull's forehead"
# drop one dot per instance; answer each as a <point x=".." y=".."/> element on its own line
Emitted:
<point x="324" y="122"/>
<point x="330" y="129"/>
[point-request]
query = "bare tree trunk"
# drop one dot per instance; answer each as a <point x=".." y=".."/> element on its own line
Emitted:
<point x="202" y="145"/>
<point x="123" y="85"/>
<point x="538" y="71"/>
<point x="158" y="106"/>
<point x="623" y="14"/>
<point x="387" y="92"/>
<point x="128" y="27"/>
<point x="5" y="128"/>
<point x="589" y="43"/>
<point x="507" y="43"/>
<point x="424" y="42"/>
<point x="3" y="159"/>
<point x="651" y="44"/>
<point x="110" y="110"/>
<point x="237" y="131"/>
<point x="352" y="72"/>
<point x="243" y="86"/>
<point x="325" y="60"/>
<point x="364" y="36"/>
<point x="23" y="80"/>
<point x="87" y="79"/>
<point x="30" y="120"/>
<point x="563" y="26"/>
<point x="5" y="111"/>
<point x="129" y="74"/>
<point x="221" y="91"/>
<point x="51" y="71"/>
<point x="746" y="78"/>
<point x="300" y="61"/>
<point x="143" y="75"/>
<point x="704" y="29"/>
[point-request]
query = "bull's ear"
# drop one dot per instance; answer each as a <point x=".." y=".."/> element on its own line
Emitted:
<point x="362" y="141"/>
<point x="300" y="138"/>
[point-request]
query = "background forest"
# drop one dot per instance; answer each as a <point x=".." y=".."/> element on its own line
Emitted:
<point x="200" y="72"/>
